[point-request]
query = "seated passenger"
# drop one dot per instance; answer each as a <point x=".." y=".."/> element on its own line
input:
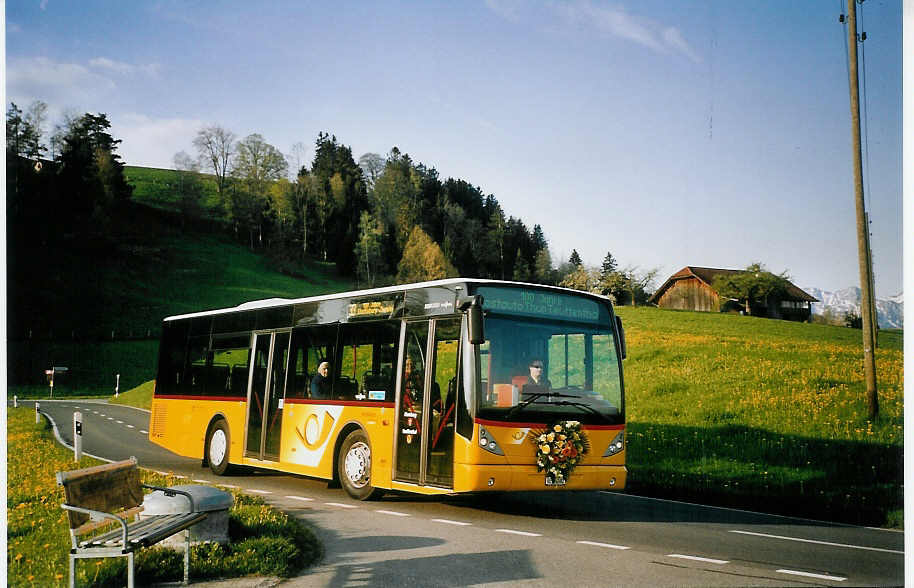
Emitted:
<point x="320" y="383"/>
<point x="536" y="381"/>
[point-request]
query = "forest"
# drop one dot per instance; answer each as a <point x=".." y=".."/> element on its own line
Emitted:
<point x="379" y="220"/>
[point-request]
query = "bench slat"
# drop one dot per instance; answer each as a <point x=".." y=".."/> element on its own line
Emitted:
<point x="146" y="532"/>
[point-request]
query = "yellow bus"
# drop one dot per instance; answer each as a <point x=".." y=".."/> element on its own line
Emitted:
<point x="449" y="386"/>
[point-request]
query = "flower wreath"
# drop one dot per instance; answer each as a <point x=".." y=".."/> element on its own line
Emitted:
<point x="559" y="449"/>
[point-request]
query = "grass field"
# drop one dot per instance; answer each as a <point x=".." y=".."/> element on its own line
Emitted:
<point x="157" y="187"/>
<point x="763" y="414"/>
<point x="264" y="541"/>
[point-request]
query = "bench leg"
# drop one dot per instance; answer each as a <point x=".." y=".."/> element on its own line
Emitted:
<point x="186" y="557"/>
<point x="72" y="571"/>
<point x="130" y="570"/>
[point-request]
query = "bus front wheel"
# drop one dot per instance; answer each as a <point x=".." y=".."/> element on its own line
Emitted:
<point x="354" y="467"/>
<point x="217" y="448"/>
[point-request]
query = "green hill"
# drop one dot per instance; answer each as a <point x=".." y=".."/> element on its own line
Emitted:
<point x="96" y="305"/>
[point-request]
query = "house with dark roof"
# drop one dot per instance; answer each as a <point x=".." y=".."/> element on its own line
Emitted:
<point x="691" y="288"/>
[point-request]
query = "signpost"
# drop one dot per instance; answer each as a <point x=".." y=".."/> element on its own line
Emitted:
<point x="50" y="374"/>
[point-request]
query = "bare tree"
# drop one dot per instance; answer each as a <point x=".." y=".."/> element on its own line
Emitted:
<point x="296" y="159"/>
<point x="372" y="166"/>
<point x="216" y="146"/>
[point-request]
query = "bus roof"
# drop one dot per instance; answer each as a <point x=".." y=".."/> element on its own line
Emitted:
<point x="273" y="302"/>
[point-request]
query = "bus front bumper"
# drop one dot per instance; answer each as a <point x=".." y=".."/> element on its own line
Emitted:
<point x="476" y="477"/>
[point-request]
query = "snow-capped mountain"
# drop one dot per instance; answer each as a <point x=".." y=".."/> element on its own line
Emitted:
<point x="889" y="311"/>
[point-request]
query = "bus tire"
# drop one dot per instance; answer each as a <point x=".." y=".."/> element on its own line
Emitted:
<point x="354" y="467"/>
<point x="217" y="447"/>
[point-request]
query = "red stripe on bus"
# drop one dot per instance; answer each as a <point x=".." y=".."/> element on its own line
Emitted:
<point x="339" y="402"/>
<point x="182" y="397"/>
<point x="489" y="423"/>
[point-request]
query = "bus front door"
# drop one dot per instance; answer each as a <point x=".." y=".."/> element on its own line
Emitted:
<point x="265" y="395"/>
<point x="425" y="432"/>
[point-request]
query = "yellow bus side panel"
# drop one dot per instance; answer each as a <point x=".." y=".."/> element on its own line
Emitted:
<point x="310" y="432"/>
<point x="179" y="425"/>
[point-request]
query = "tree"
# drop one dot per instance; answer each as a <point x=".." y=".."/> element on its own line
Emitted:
<point x="582" y="278"/>
<point x="423" y="260"/>
<point x="369" y="249"/>
<point x="637" y="282"/>
<point x="90" y="168"/>
<point x="609" y="264"/>
<point x="296" y="159"/>
<point x="257" y="165"/>
<point x="575" y="259"/>
<point x="372" y="165"/>
<point x="35" y="116"/>
<point x="754" y="284"/>
<point x="216" y="145"/>
<point x="542" y="267"/>
<point x="22" y="138"/>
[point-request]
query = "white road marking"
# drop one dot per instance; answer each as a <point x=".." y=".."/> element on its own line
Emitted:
<point x="810" y="575"/>
<point x="119" y="422"/>
<point x="110" y="418"/>
<point x="302" y="498"/>
<point x="144" y="432"/>
<point x="393" y="513"/>
<point x="255" y="491"/>
<point x="162" y="473"/>
<point x="448" y="522"/>
<point x="130" y="427"/>
<point x="201" y="481"/>
<point x="513" y="532"/>
<point x="340" y="504"/>
<point x="607" y="545"/>
<point x="178" y="476"/>
<point x="696" y="558"/>
<point x="845" y="545"/>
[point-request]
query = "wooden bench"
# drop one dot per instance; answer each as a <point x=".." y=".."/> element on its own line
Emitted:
<point x="112" y="493"/>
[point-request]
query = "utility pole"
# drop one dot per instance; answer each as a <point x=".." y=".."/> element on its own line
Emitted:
<point x="869" y="337"/>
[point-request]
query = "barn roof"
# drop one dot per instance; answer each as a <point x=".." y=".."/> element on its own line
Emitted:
<point x="709" y="274"/>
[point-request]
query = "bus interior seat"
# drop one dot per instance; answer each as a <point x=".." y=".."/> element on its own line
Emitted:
<point x="505" y="394"/>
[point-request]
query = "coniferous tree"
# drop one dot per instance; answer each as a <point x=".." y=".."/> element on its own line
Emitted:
<point x="575" y="259"/>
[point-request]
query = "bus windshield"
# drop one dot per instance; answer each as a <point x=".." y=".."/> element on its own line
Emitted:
<point x="542" y="371"/>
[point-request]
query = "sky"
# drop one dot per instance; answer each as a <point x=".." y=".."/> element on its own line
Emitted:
<point x="709" y="132"/>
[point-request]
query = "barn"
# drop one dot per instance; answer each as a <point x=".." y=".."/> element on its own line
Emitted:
<point x="691" y="289"/>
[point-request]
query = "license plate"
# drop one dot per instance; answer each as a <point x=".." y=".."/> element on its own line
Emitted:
<point x="555" y="481"/>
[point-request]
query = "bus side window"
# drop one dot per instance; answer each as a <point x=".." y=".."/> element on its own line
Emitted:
<point x="309" y="347"/>
<point x="368" y="351"/>
<point x="228" y="374"/>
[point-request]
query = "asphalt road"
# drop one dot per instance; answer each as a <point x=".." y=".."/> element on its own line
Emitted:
<point x="535" y="539"/>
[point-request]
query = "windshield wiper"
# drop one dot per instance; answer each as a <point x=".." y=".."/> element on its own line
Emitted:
<point x="584" y="406"/>
<point x="533" y="396"/>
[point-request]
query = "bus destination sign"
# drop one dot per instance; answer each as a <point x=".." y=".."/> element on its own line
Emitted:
<point x="540" y="304"/>
<point x="373" y="309"/>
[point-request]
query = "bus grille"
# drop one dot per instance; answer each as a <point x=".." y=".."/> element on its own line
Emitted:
<point x="159" y="415"/>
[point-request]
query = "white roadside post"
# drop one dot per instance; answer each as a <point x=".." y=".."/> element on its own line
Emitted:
<point x="37" y="413"/>
<point x="117" y="385"/>
<point x="15" y="401"/>
<point x="77" y="435"/>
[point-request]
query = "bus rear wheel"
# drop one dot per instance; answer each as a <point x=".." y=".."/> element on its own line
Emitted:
<point x="354" y="467"/>
<point x="217" y="448"/>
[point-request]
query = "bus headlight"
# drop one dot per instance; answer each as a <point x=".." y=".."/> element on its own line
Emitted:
<point x="616" y="445"/>
<point x="487" y="442"/>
